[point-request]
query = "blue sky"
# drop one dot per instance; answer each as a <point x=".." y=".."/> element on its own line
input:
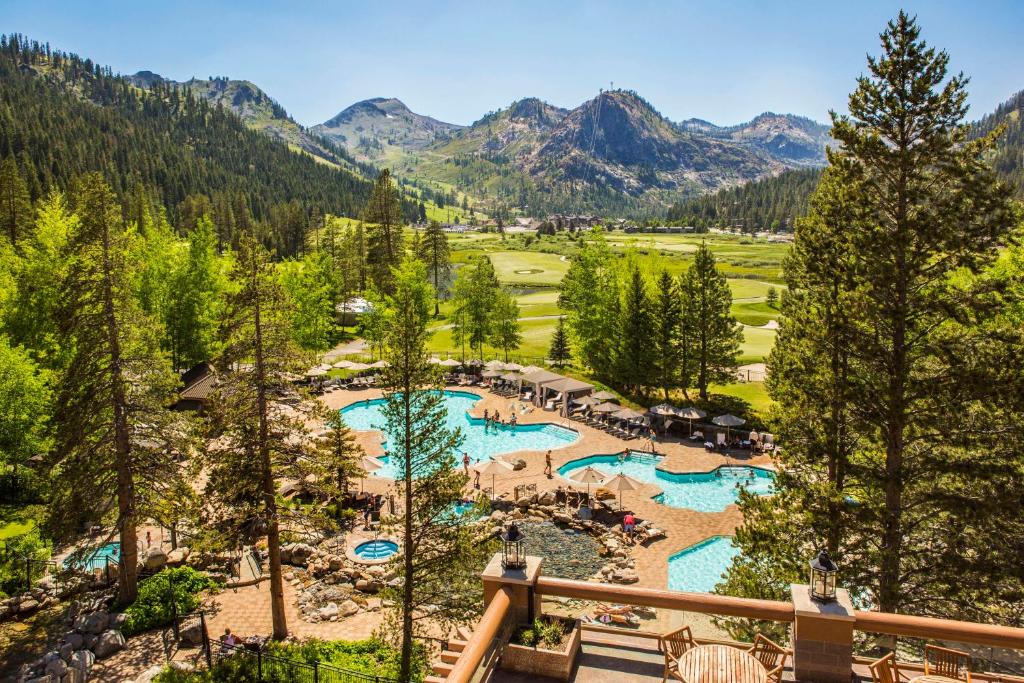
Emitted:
<point x="723" y="61"/>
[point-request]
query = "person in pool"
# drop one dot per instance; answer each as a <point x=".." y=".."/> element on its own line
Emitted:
<point x="497" y="418"/>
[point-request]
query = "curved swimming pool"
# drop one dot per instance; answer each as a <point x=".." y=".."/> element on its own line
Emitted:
<point x="698" y="568"/>
<point x="702" y="491"/>
<point x="479" y="441"/>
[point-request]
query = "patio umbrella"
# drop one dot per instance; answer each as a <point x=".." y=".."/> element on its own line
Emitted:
<point x="513" y="366"/>
<point x="622" y="483"/>
<point x="475" y="362"/>
<point x="690" y="414"/>
<point x="343" y="364"/>
<point x="728" y="421"/>
<point x="433" y="361"/>
<point x="369" y="464"/>
<point x="588" y="475"/>
<point x="606" y="407"/>
<point x="512" y="376"/>
<point x="358" y="366"/>
<point x="606" y="396"/>
<point x="494" y="468"/>
<point x="585" y="401"/>
<point x="664" y="409"/>
<point x="380" y="364"/>
<point x="529" y="368"/>
<point x="449" y="363"/>
<point x="316" y="372"/>
<point x="490" y="374"/>
<point x="627" y="414"/>
<point x="494" y="365"/>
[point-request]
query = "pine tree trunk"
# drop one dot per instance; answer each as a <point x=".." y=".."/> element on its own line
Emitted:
<point x="407" y="588"/>
<point x="280" y="624"/>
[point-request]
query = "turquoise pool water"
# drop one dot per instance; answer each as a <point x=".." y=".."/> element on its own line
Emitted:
<point x="704" y="492"/>
<point x="97" y="560"/>
<point x="376" y="550"/>
<point x="479" y="441"/>
<point x="698" y="568"/>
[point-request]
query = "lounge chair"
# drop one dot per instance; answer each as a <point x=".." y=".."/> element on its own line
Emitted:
<point x="771" y="655"/>
<point x="675" y="644"/>
<point x="942" y="661"/>
<point x="697" y="435"/>
<point x="720" y="441"/>
<point x="645" y="531"/>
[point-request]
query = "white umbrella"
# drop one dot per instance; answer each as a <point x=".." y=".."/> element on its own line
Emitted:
<point x="728" y="421"/>
<point x="664" y="409"/>
<point x="358" y="366"/>
<point x="494" y="364"/>
<point x="588" y="475"/>
<point x="490" y="374"/>
<point x="449" y="363"/>
<point x="343" y="364"/>
<point x="511" y="376"/>
<point x="434" y="361"/>
<point x="494" y="468"/>
<point x="369" y="464"/>
<point x="529" y="368"/>
<point x="380" y="364"/>
<point x="690" y="414"/>
<point x="622" y="483"/>
<point x="513" y="366"/>
<point x="316" y="372"/>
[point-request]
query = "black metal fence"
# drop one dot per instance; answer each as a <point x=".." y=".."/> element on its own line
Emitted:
<point x="271" y="668"/>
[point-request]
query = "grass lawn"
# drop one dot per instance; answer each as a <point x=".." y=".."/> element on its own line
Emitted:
<point x="755" y="313"/>
<point x="757" y="344"/>
<point x="10" y="529"/>
<point x="752" y="393"/>
<point x="743" y="288"/>
<point x="524" y="268"/>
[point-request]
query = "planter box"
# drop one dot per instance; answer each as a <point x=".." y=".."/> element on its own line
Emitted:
<point x="537" y="661"/>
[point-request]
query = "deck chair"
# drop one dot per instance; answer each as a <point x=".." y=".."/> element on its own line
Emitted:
<point x="884" y="670"/>
<point x="771" y="655"/>
<point x="941" y="661"/>
<point x="720" y="440"/>
<point x="675" y="644"/>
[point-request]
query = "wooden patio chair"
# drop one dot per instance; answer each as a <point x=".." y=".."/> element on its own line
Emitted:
<point x="675" y="644"/>
<point x="771" y="655"/>
<point x="884" y="670"/>
<point x="941" y="661"/>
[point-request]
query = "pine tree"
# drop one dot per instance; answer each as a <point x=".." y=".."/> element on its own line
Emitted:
<point x="437" y="255"/>
<point x="15" y="202"/>
<point x="506" y="332"/>
<point x="116" y="438"/>
<point x="589" y="293"/>
<point x="896" y="343"/>
<point x="384" y="248"/>
<point x="439" y="557"/>
<point x="254" y="447"/>
<point x="560" y="352"/>
<point x="667" y="320"/>
<point x="714" y="335"/>
<point x="633" y="343"/>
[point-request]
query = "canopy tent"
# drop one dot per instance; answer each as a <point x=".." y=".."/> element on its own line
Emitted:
<point x="622" y="483"/>
<point x="566" y="388"/>
<point x="494" y="468"/>
<point x="537" y="379"/>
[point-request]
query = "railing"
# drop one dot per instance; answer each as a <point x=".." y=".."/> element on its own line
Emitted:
<point x="262" y="666"/>
<point x="482" y="650"/>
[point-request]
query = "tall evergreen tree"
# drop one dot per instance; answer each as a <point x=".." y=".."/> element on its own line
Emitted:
<point x="115" y="436"/>
<point x="589" y="293"/>
<point x="437" y="255"/>
<point x="633" y="338"/>
<point x="714" y="335"/>
<point x="560" y="353"/>
<point x="15" y="202"/>
<point x="438" y="557"/>
<point x="915" y="403"/>
<point x="384" y="248"/>
<point x="666" y="323"/>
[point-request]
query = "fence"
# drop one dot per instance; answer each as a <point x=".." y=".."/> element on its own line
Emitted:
<point x="272" y="668"/>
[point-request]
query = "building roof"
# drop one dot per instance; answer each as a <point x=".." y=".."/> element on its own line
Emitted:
<point x="541" y="377"/>
<point x="198" y="382"/>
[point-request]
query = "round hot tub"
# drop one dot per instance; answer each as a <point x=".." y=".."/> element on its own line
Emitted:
<point x="373" y="552"/>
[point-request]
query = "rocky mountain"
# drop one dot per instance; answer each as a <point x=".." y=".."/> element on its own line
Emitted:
<point x="793" y="140"/>
<point x="379" y="128"/>
<point x="255" y="107"/>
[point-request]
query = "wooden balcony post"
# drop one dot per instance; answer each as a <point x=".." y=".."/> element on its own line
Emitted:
<point x="521" y="584"/>
<point x="822" y="637"/>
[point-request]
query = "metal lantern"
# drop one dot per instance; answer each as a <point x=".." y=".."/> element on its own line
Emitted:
<point x="823" y="578"/>
<point x="513" y="550"/>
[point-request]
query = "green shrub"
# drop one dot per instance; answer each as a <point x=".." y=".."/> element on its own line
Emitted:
<point x="152" y="608"/>
<point x="12" y="565"/>
<point x="547" y="633"/>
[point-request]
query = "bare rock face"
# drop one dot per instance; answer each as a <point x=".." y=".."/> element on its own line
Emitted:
<point x="178" y="556"/>
<point x="155" y="558"/>
<point x="108" y="643"/>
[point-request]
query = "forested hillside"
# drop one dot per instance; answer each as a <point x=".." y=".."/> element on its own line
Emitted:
<point x="767" y="204"/>
<point x="62" y="115"/>
<point x="1008" y="159"/>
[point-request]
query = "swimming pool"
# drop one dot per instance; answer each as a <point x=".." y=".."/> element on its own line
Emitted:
<point x="98" y="559"/>
<point x="698" y="568"/>
<point x="376" y="550"/>
<point x="479" y="441"/>
<point x="702" y="491"/>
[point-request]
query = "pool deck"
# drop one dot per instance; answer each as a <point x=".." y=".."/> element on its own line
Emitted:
<point x="683" y="527"/>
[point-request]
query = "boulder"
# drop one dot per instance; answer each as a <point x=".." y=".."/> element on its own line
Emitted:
<point x="327" y="611"/>
<point x="625" y="576"/>
<point x="498" y="516"/>
<point x="546" y="498"/>
<point x="178" y="556"/>
<point x="74" y="640"/>
<point x="562" y="517"/>
<point x="348" y="608"/>
<point x="66" y="650"/>
<point x="83" y="660"/>
<point x="149" y="674"/>
<point x="518" y="464"/>
<point x="286" y="554"/>
<point x="367" y="586"/>
<point x="108" y="643"/>
<point x="94" y="623"/>
<point x="192" y="634"/>
<point x="28" y="605"/>
<point x="155" y="559"/>
<point x="73" y="676"/>
<point x="335" y="563"/>
<point x="55" y="666"/>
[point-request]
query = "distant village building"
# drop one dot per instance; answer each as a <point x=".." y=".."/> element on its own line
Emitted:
<point x="197" y="385"/>
<point x="571" y="221"/>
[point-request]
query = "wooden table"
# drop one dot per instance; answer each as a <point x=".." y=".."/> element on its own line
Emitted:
<point x="721" y="664"/>
<point x="934" y="678"/>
